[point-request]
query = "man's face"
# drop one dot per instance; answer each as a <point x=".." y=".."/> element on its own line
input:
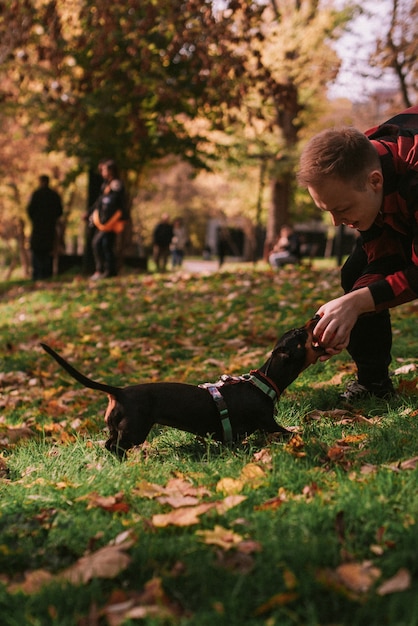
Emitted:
<point x="347" y="204"/>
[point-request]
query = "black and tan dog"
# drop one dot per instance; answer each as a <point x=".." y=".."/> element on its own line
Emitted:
<point x="227" y="410"/>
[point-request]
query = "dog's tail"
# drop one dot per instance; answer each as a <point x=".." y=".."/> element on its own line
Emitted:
<point x="87" y="382"/>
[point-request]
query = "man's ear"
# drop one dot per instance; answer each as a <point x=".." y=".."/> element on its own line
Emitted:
<point x="375" y="179"/>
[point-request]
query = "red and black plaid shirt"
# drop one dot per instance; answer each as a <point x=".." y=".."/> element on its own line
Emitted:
<point x="391" y="244"/>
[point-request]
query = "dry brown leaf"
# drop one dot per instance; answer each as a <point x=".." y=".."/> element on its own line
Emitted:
<point x="180" y="486"/>
<point x="113" y="503"/>
<point x="229" y="503"/>
<point x="221" y="537"/>
<point x="177" y="501"/>
<point x="13" y="434"/>
<point x="335" y="414"/>
<point x="104" y="563"/>
<point x="32" y="583"/>
<point x="295" y="446"/>
<point x="153" y="602"/>
<point x="230" y="486"/>
<point x="399" y="582"/>
<point x="280" y="599"/>
<point x="408" y="386"/>
<point x="273" y="503"/>
<point x="148" y="490"/>
<point x="185" y="516"/>
<point x="253" y="475"/>
<point x="409" y="464"/>
<point x="352" y="439"/>
<point x="336" y="453"/>
<point x="357" y="577"/>
<point x="264" y="456"/>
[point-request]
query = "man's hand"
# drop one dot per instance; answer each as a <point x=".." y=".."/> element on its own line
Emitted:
<point x="338" y="318"/>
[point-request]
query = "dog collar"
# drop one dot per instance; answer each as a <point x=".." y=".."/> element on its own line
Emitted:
<point x="263" y="382"/>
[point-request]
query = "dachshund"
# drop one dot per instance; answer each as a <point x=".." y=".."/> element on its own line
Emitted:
<point x="228" y="410"/>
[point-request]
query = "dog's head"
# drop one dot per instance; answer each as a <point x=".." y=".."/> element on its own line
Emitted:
<point x="294" y="352"/>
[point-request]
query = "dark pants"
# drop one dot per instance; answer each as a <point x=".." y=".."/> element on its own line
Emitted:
<point x="371" y="338"/>
<point x="104" y="252"/>
<point x="161" y="254"/>
<point x="41" y="265"/>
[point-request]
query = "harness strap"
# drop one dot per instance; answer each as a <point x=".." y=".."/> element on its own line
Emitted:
<point x="222" y="408"/>
<point x="256" y="378"/>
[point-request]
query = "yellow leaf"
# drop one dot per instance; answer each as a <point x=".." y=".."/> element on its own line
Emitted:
<point x="221" y="537"/>
<point x="148" y="490"/>
<point x="229" y="486"/>
<point x="252" y="474"/>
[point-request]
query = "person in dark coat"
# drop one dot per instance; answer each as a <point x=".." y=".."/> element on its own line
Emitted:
<point x="44" y="210"/>
<point x="109" y="218"/>
<point x="161" y="240"/>
<point x="368" y="182"/>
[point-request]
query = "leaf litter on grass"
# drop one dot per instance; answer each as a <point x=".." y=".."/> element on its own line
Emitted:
<point x="210" y="326"/>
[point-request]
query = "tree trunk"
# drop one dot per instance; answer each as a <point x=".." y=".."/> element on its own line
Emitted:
<point x="279" y="211"/>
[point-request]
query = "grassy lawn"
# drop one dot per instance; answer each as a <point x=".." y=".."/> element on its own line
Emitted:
<point x="318" y="531"/>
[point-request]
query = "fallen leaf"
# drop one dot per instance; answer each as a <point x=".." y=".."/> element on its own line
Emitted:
<point x="409" y="464"/>
<point x="295" y="446"/>
<point x="148" y="490"/>
<point x="229" y="503"/>
<point x="32" y="583"/>
<point x="264" y="456"/>
<point x="230" y="486"/>
<point x="152" y="602"/>
<point x="351" y="439"/>
<point x="273" y="503"/>
<point x="108" y="503"/>
<point x="408" y="386"/>
<point x="178" y="501"/>
<point x="357" y="577"/>
<point x="185" y="516"/>
<point x="405" y="369"/>
<point x="107" y="562"/>
<point x="253" y="475"/>
<point x="221" y="537"/>
<point x="399" y="582"/>
<point x="280" y="599"/>
<point x="336" y="453"/>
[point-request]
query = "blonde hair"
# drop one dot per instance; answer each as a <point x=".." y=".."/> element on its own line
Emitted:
<point x="344" y="153"/>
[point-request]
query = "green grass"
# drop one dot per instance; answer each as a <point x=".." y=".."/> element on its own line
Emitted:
<point x="341" y="498"/>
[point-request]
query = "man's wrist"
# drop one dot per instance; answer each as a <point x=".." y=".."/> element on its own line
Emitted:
<point x="363" y="300"/>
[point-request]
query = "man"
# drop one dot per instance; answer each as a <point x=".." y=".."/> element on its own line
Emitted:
<point x="161" y="239"/>
<point x="44" y="209"/>
<point x="368" y="182"/>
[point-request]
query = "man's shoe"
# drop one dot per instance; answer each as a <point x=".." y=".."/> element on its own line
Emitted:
<point x="355" y="391"/>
